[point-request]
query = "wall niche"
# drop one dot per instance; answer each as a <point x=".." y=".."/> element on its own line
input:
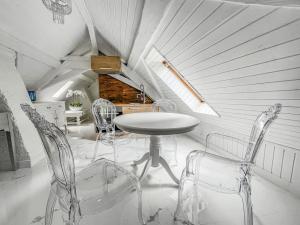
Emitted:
<point x="21" y="155"/>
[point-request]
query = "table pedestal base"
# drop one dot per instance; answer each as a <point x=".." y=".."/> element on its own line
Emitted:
<point x="154" y="159"/>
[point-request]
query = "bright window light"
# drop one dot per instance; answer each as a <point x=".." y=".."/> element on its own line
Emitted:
<point x="177" y="83"/>
<point x="63" y="89"/>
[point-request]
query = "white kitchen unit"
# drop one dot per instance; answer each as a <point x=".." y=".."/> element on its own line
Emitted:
<point x="54" y="112"/>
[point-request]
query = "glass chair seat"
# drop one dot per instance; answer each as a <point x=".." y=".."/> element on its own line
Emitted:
<point x="119" y="137"/>
<point x="217" y="172"/>
<point x="102" y="185"/>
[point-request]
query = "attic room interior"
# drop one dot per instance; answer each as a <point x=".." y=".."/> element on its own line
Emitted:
<point x="135" y="112"/>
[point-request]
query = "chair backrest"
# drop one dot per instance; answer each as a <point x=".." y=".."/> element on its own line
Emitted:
<point x="164" y="105"/>
<point x="104" y="113"/>
<point x="60" y="157"/>
<point x="259" y="129"/>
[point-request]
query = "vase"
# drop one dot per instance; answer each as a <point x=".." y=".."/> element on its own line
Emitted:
<point x="75" y="108"/>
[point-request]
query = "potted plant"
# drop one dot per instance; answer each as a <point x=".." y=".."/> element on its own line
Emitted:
<point x="75" y="103"/>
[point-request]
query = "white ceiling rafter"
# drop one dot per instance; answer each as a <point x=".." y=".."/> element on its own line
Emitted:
<point x="71" y="63"/>
<point x="82" y="8"/>
<point x="171" y="7"/>
<point x="117" y="23"/>
<point x="153" y="11"/>
<point x="150" y="91"/>
<point x="125" y="80"/>
<point x="24" y="48"/>
<point x="292" y="3"/>
<point x="153" y="80"/>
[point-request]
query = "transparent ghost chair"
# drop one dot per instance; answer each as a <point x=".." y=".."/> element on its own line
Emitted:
<point x="93" y="190"/>
<point x="104" y="113"/>
<point x="169" y="142"/>
<point x="209" y="172"/>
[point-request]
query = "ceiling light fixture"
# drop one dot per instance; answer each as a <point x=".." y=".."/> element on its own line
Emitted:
<point x="59" y="8"/>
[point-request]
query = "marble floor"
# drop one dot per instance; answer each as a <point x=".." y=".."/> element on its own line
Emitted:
<point x="24" y="193"/>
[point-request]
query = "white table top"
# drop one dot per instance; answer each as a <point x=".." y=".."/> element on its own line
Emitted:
<point x="156" y="123"/>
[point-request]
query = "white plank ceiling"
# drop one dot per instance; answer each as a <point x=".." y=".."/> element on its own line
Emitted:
<point x="117" y="22"/>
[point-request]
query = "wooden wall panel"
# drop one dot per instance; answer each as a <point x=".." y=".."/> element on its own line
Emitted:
<point x="116" y="91"/>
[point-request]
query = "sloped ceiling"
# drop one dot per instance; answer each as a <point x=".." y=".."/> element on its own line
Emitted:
<point x="117" y="23"/>
<point x="31" y="70"/>
<point x="241" y="58"/>
<point x="27" y="27"/>
<point x="31" y="22"/>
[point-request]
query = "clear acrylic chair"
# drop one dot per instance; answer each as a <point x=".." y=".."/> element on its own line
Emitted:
<point x="221" y="174"/>
<point x="104" y="113"/>
<point x="169" y="142"/>
<point x="100" y="186"/>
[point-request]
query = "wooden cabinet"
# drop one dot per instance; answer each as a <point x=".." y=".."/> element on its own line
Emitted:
<point x="105" y="64"/>
<point x="134" y="108"/>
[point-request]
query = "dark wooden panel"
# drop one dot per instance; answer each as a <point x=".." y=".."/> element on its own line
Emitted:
<point x="106" y="64"/>
<point x="118" y="92"/>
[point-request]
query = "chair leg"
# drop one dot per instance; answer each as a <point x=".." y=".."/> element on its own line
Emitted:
<point x="50" y="205"/>
<point x="140" y="203"/>
<point x="175" y="151"/>
<point x="96" y="148"/>
<point x="179" y="201"/>
<point x="245" y="194"/>
<point x="115" y="152"/>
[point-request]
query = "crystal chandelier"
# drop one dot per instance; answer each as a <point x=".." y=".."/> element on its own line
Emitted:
<point x="59" y="8"/>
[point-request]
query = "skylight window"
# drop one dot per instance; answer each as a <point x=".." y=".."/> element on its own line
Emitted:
<point x="177" y="83"/>
<point x="63" y="89"/>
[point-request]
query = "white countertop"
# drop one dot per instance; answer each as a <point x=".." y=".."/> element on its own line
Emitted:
<point x="156" y="123"/>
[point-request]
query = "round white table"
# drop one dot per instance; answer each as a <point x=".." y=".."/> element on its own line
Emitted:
<point x="156" y="124"/>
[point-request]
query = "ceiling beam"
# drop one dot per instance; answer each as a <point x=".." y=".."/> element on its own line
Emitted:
<point x="68" y="75"/>
<point x="153" y="79"/>
<point x="124" y="80"/>
<point x="11" y="42"/>
<point x="149" y="90"/>
<point x="291" y="3"/>
<point x="153" y="11"/>
<point x="82" y="8"/>
<point x="85" y="78"/>
<point x="71" y="63"/>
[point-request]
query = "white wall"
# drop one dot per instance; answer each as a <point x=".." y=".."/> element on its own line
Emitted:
<point x="13" y="88"/>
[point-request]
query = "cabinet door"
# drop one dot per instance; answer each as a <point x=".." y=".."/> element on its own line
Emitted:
<point x="60" y="114"/>
<point x="54" y="112"/>
<point x="4" y="122"/>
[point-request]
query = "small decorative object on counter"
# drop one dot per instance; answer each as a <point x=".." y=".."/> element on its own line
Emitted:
<point x="32" y="95"/>
<point x="75" y="103"/>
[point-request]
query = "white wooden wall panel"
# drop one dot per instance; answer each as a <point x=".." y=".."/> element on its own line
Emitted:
<point x="296" y="170"/>
<point x="199" y="15"/>
<point x="216" y="19"/>
<point x="241" y="58"/>
<point x="182" y="12"/>
<point x="267" y="24"/>
<point x="233" y="26"/>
